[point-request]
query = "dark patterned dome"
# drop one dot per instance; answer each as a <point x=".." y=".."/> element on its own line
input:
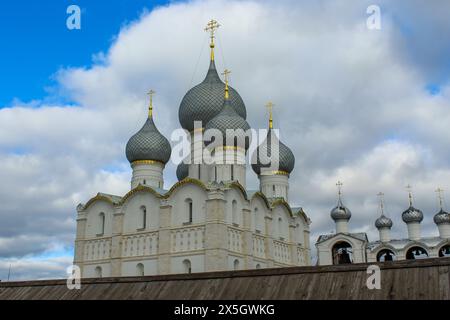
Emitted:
<point x="383" y="222"/>
<point x="229" y="119"/>
<point x="340" y="212"/>
<point x="286" y="157"/>
<point x="412" y="215"/>
<point x="442" y="217"/>
<point x="148" y="144"/>
<point x="182" y="171"/>
<point x="204" y="101"/>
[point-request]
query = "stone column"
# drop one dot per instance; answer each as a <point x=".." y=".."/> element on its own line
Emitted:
<point x="293" y="244"/>
<point x="247" y="238"/>
<point x="78" y="258"/>
<point x="116" y="243"/>
<point x="216" y="232"/>
<point x="269" y="241"/>
<point x="164" y="239"/>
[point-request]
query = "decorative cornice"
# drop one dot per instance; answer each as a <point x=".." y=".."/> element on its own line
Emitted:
<point x="263" y="197"/>
<point x="98" y="197"/>
<point x="183" y="182"/>
<point x="282" y="202"/>
<point x="140" y="188"/>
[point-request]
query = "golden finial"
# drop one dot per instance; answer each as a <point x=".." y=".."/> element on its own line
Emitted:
<point x="409" y="189"/>
<point x="339" y="184"/>
<point x="150" y="107"/>
<point x="225" y="73"/>
<point x="269" y="106"/>
<point x="439" y="192"/>
<point x="381" y="196"/>
<point x="211" y="27"/>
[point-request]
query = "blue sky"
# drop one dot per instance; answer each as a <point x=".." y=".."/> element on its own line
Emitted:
<point x="37" y="43"/>
<point x="373" y="106"/>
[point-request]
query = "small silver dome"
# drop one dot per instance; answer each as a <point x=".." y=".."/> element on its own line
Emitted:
<point x="286" y="157"/>
<point x="442" y="217"/>
<point x="182" y="171"/>
<point x="340" y="212"/>
<point x="383" y="222"/>
<point x="412" y="215"/>
<point x="204" y="101"/>
<point x="148" y="144"/>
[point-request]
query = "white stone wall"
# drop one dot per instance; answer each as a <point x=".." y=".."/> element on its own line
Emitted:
<point x="213" y="241"/>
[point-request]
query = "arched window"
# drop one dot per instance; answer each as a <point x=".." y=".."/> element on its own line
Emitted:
<point x="342" y="253"/>
<point x="236" y="264"/>
<point x="234" y="213"/>
<point x="98" y="272"/>
<point x="140" y="270"/>
<point x="444" y="251"/>
<point x="273" y="190"/>
<point x="416" y="253"/>
<point x="257" y="220"/>
<point x="386" y="255"/>
<point x="232" y="172"/>
<point x="258" y="266"/>
<point x="189" y="210"/>
<point x="280" y="228"/>
<point x="187" y="266"/>
<point x="143" y="218"/>
<point x="145" y="181"/>
<point x="101" y="218"/>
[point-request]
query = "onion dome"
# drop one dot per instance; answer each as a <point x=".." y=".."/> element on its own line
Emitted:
<point x="286" y="159"/>
<point x="412" y="215"/>
<point x="148" y="143"/>
<point x="182" y="171"/>
<point x="340" y="212"/>
<point x="383" y="222"/>
<point x="204" y="101"/>
<point x="442" y="217"/>
<point x="229" y="119"/>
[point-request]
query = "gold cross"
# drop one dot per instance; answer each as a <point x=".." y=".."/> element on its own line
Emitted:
<point x="225" y="73"/>
<point x="339" y="185"/>
<point x="439" y="191"/>
<point x="211" y="27"/>
<point x="269" y="106"/>
<point x="409" y="189"/>
<point x="381" y="196"/>
<point x="150" y="107"/>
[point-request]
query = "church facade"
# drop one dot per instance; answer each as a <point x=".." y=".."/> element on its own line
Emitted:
<point x="208" y="220"/>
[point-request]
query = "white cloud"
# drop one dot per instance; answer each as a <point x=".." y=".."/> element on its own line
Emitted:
<point x="349" y="104"/>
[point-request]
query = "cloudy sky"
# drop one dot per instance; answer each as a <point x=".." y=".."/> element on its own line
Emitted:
<point x="368" y="107"/>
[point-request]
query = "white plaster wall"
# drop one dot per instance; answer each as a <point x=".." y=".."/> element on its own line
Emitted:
<point x="257" y="221"/>
<point x="231" y="260"/>
<point x="230" y="196"/>
<point x="150" y="267"/>
<point x="179" y="208"/>
<point x="89" y="270"/>
<point x="132" y="210"/>
<point x="93" y="221"/>
<point x="283" y="231"/>
<point x="197" y="263"/>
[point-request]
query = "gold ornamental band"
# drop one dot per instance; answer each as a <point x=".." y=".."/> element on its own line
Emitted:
<point x="138" y="162"/>
<point x="275" y="172"/>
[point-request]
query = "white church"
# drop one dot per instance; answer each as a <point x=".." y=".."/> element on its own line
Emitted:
<point x="209" y="220"/>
